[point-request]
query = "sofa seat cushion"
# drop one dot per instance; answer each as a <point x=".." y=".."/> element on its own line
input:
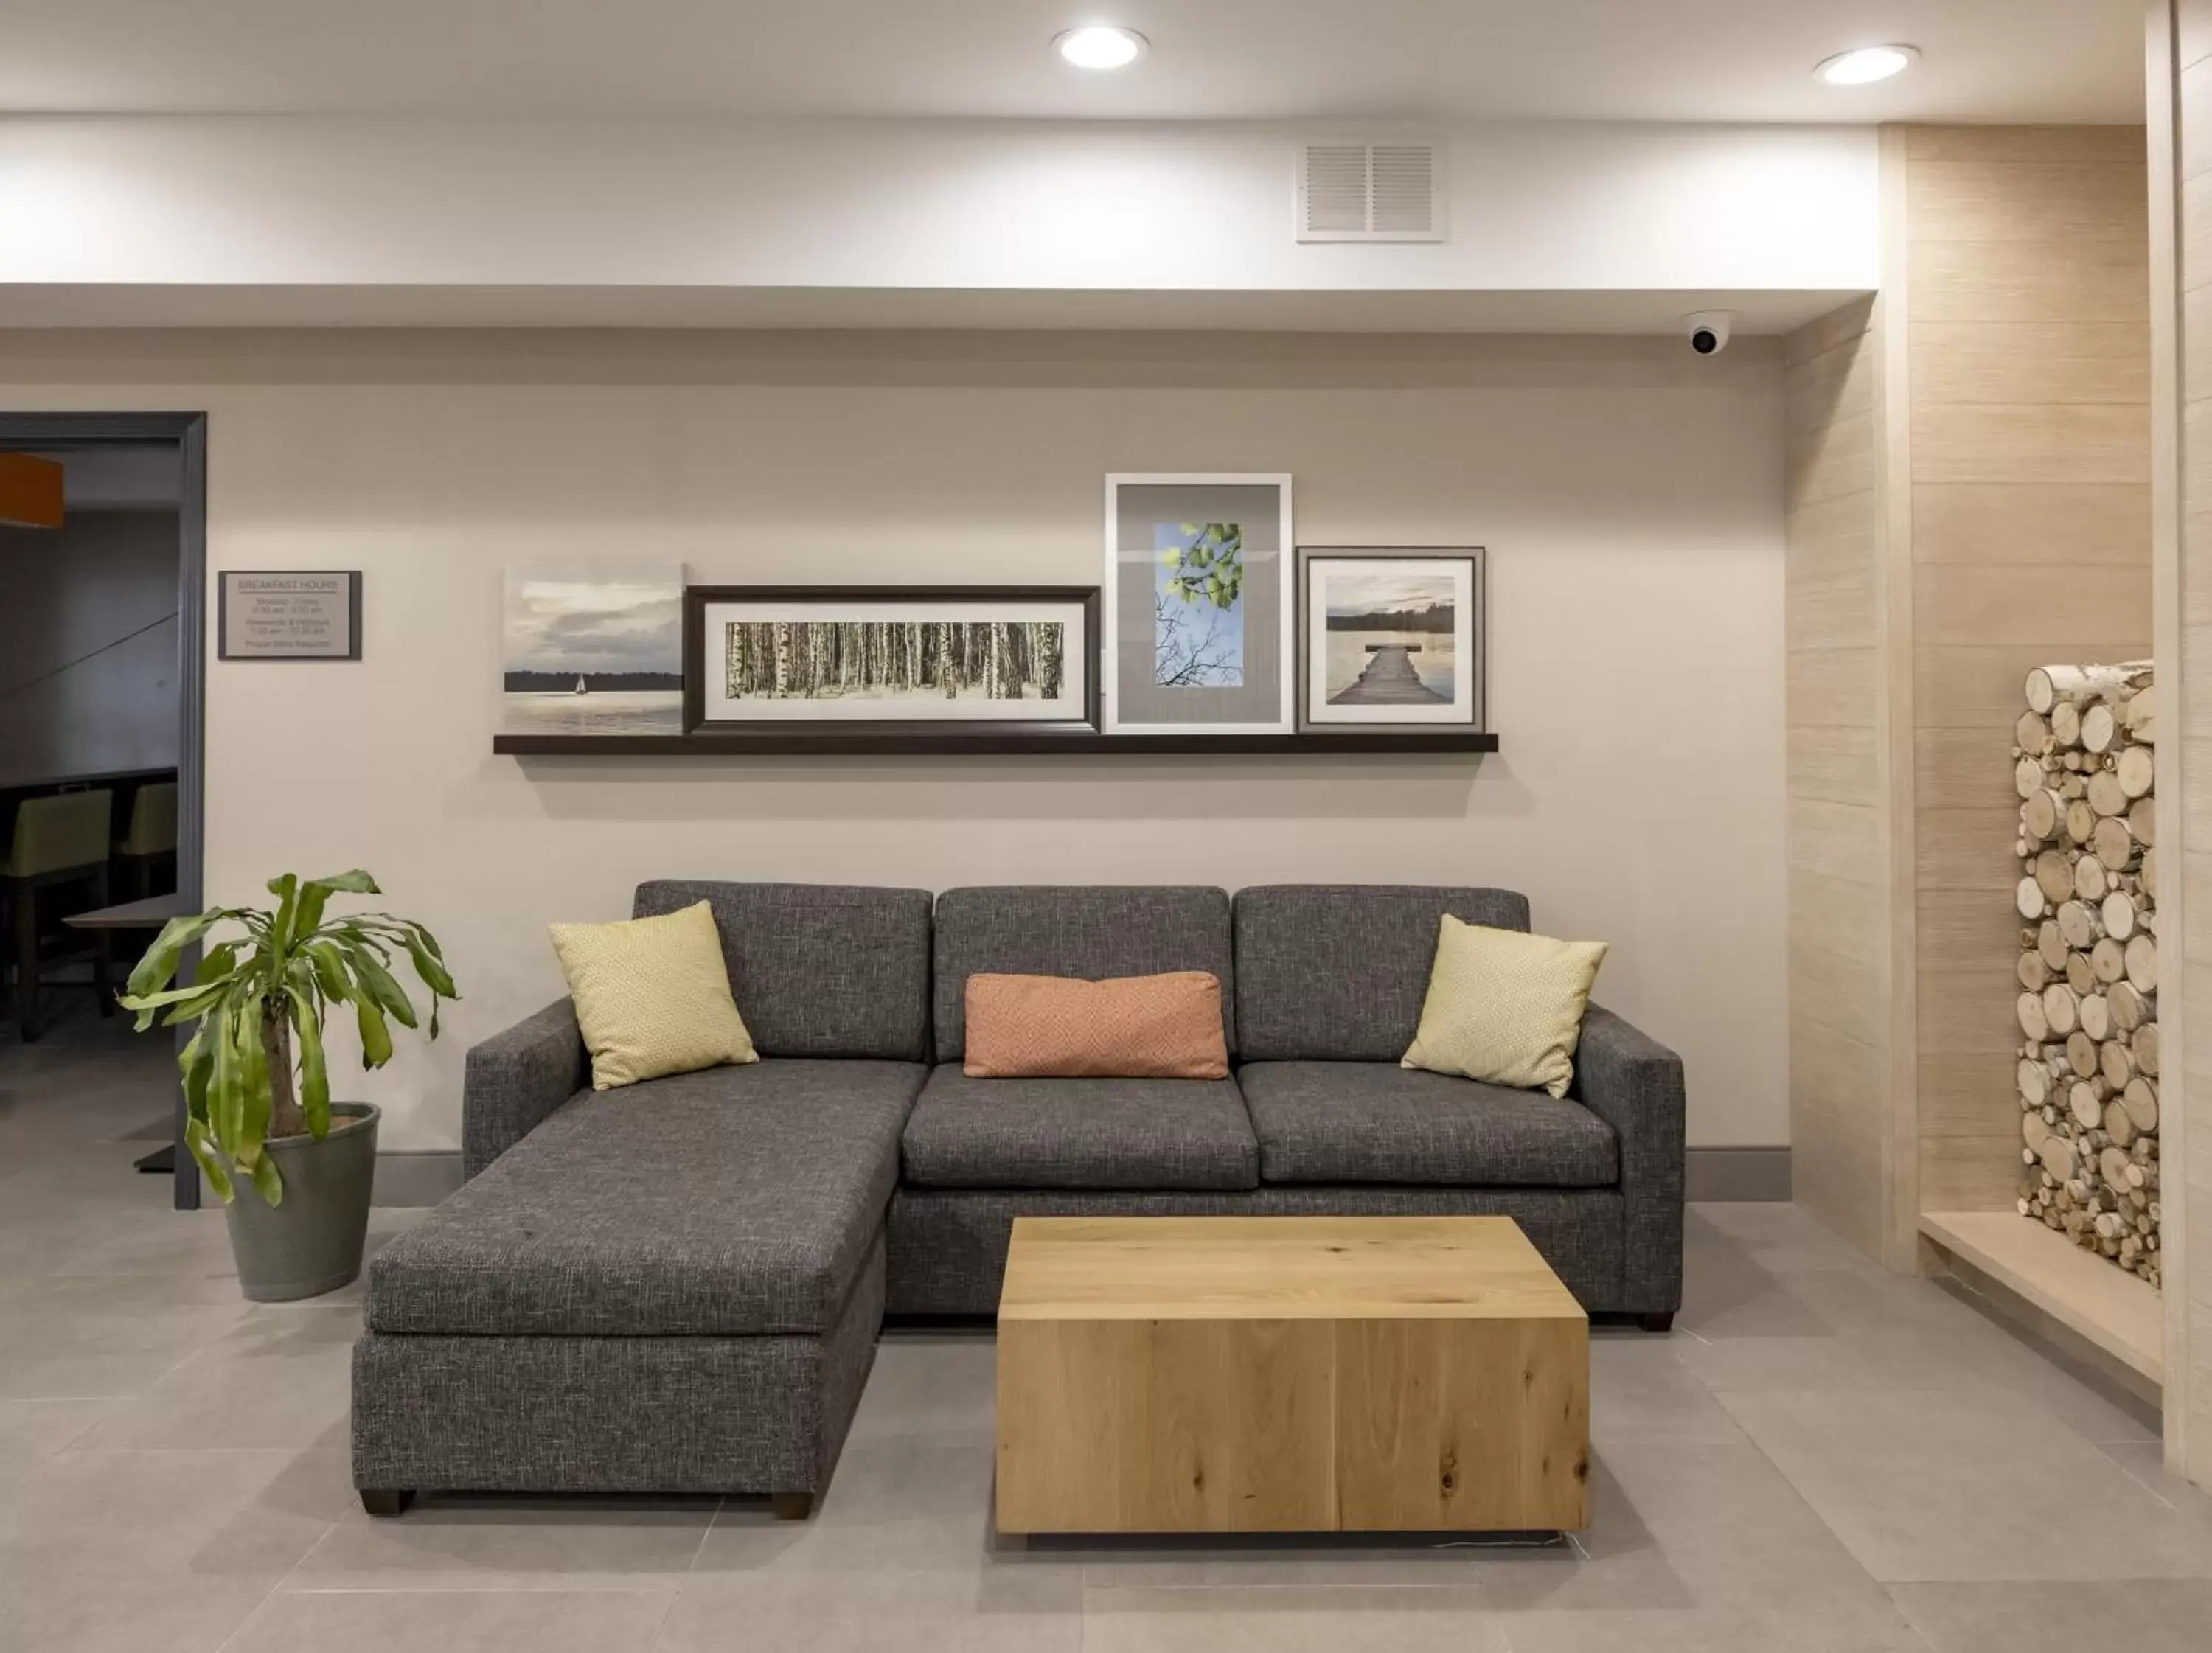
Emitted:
<point x="1079" y="1133"/>
<point x="1378" y="1122"/>
<point x="736" y="1201"/>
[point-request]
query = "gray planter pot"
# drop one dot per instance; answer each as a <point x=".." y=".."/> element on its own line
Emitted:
<point x="312" y="1242"/>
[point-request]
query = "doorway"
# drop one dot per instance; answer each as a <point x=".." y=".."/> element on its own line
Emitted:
<point x="103" y="634"/>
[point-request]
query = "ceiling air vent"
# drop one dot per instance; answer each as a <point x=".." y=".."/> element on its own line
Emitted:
<point x="1386" y="191"/>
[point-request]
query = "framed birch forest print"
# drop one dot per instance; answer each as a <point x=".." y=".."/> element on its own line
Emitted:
<point x="912" y="656"/>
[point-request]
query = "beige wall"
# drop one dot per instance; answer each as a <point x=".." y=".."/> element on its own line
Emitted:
<point x="1630" y="496"/>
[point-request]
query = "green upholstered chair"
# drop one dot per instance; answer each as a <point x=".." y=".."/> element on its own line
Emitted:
<point x="147" y="851"/>
<point x="57" y="841"/>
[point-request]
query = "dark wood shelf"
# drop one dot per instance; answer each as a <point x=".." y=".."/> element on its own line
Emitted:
<point x="971" y="742"/>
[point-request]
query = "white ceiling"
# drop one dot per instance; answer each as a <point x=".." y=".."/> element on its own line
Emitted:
<point x="1726" y="60"/>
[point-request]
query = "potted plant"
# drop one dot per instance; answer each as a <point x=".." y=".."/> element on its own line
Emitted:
<point x="259" y="999"/>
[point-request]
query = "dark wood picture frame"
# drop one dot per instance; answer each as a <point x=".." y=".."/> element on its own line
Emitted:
<point x="1478" y="720"/>
<point x="224" y="576"/>
<point x="889" y="735"/>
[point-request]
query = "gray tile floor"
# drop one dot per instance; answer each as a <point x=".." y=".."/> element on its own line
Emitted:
<point x="1821" y="1457"/>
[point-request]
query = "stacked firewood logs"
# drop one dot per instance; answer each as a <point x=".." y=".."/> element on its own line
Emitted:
<point x="2088" y="962"/>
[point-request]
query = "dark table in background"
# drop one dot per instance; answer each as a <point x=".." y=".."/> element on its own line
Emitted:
<point x="150" y="914"/>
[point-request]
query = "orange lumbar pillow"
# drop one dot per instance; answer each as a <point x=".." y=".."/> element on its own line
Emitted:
<point x="1134" y="1027"/>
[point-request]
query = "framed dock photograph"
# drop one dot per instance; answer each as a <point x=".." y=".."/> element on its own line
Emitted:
<point x="1391" y="636"/>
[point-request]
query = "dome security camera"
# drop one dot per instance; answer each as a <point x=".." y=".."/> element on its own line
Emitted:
<point x="1708" y="330"/>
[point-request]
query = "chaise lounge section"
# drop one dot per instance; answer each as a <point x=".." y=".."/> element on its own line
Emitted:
<point x="677" y="1287"/>
<point x="674" y="1287"/>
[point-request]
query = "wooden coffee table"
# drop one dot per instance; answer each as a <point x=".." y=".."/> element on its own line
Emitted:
<point x="1288" y="1374"/>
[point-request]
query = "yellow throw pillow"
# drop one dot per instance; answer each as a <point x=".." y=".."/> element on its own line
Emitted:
<point x="1505" y="1006"/>
<point x="653" y="996"/>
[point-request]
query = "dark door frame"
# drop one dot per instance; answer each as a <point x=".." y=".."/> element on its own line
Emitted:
<point x="189" y="432"/>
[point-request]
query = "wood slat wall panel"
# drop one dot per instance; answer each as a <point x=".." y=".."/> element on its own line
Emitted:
<point x="2071" y="441"/>
<point x="2072" y="145"/>
<point x="1964" y="1074"/>
<point x="2030" y="416"/>
<point x="1839" y="840"/>
<point x="1837" y="824"/>
<point x="1843" y="916"/>
<point x="1837" y="993"/>
<point x="1829" y="686"/>
<point x="1836" y="763"/>
<point x="1967" y="849"/>
<point x="2057" y="280"/>
<point x="2019" y="363"/>
<point x="1837" y="461"/>
<point x="1838" y="327"/>
<point x="2042" y="606"/>
<point x="1977" y="686"/>
<point x="2072" y="523"/>
<point x="1969" y="1173"/>
<point x="1951" y="770"/>
<point x="1992" y="201"/>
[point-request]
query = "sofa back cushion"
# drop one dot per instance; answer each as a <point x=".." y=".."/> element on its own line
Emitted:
<point x="1136" y="1027"/>
<point x="1093" y="932"/>
<point x="1337" y="972"/>
<point x="818" y="969"/>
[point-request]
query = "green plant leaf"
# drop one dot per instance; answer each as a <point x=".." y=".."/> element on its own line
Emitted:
<point x="355" y="882"/>
<point x="330" y="972"/>
<point x="429" y="967"/>
<point x="387" y="993"/>
<point x="257" y="1103"/>
<point x="375" y="1036"/>
<point x="266" y="1182"/>
<point x="153" y="971"/>
<point x="224" y="1099"/>
<point x="196" y="1062"/>
<point x="153" y="1001"/>
<point x="315" y="895"/>
<point x="287" y="891"/>
<point x="315" y="1077"/>
<point x="203" y="1000"/>
<point x="202" y="1148"/>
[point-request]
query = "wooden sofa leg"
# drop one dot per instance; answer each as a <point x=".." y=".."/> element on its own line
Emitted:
<point x="793" y="1506"/>
<point x="384" y="1502"/>
<point x="1655" y="1323"/>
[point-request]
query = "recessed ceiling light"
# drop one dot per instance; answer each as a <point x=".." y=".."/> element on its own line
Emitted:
<point x="1100" y="46"/>
<point x="1867" y="64"/>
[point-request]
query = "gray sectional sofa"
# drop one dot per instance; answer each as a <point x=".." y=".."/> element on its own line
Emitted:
<point x="677" y="1287"/>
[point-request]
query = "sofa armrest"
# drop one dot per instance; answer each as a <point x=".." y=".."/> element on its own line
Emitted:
<point x="515" y="1078"/>
<point x="1634" y="1084"/>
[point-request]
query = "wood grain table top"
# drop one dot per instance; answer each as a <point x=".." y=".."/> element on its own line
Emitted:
<point x="1278" y="1268"/>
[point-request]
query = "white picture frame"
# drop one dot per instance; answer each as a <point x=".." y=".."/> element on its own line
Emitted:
<point x="1133" y="709"/>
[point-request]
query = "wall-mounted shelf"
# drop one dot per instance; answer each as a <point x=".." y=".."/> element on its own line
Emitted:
<point x="986" y="742"/>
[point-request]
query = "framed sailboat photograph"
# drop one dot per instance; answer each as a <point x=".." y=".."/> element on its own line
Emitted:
<point x="592" y="649"/>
